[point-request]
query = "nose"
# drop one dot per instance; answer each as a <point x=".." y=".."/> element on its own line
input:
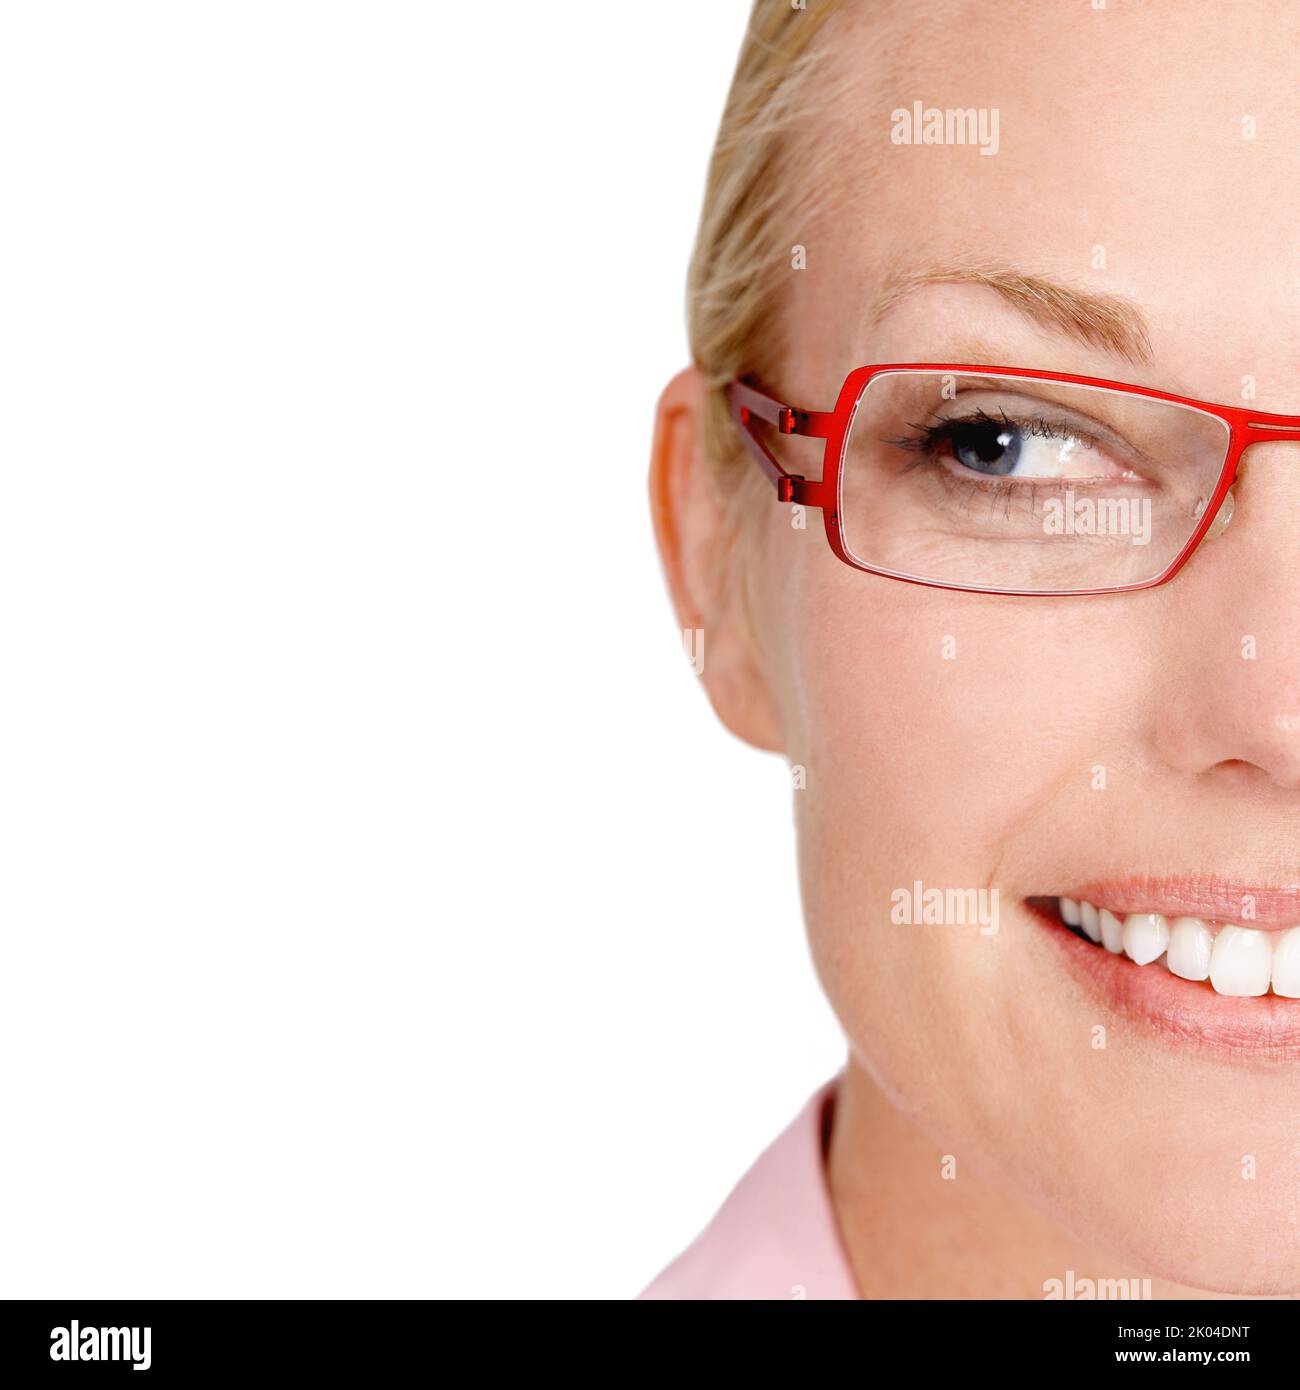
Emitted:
<point x="1230" y="683"/>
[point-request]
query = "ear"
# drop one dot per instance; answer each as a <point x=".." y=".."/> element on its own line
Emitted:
<point x="700" y="558"/>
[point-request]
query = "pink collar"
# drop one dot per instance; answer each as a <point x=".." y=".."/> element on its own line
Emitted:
<point x="776" y="1236"/>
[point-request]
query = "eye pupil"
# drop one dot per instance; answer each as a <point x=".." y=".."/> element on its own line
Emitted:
<point x="987" y="448"/>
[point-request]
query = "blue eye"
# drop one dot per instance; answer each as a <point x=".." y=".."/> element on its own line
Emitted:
<point x="985" y="447"/>
<point x="1020" y="446"/>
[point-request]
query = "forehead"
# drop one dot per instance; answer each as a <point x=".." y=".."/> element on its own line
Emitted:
<point x="1146" y="151"/>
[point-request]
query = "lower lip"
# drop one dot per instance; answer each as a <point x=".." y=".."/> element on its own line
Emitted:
<point x="1186" y="1012"/>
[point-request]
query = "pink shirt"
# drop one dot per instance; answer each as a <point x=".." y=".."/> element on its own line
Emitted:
<point x="776" y="1236"/>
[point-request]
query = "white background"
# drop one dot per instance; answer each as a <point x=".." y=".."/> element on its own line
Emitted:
<point x="383" y="911"/>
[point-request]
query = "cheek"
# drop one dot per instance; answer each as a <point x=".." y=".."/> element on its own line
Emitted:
<point x="898" y="702"/>
<point x="935" y="727"/>
<point x="931" y="727"/>
<point x="950" y="741"/>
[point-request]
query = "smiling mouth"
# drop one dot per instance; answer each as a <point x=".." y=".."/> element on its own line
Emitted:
<point x="1227" y="958"/>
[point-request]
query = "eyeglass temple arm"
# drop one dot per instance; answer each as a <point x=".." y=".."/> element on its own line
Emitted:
<point x="750" y="405"/>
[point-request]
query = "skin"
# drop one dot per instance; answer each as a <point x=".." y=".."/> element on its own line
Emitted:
<point x="1120" y="128"/>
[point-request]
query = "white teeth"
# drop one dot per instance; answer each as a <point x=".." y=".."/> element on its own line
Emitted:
<point x="1112" y="931"/>
<point x="1190" y="944"/>
<point x="1146" y="937"/>
<point x="1235" y="960"/>
<point x="1241" y="962"/>
<point x="1286" y="964"/>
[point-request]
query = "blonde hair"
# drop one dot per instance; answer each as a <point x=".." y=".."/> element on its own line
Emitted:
<point x="761" y="178"/>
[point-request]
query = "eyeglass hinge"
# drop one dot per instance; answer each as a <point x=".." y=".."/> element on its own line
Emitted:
<point x="785" y="487"/>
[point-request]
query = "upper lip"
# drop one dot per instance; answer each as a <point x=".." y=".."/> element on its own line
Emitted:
<point x="1215" y="898"/>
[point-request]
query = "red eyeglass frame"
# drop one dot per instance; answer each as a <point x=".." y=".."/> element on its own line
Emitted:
<point x="749" y="404"/>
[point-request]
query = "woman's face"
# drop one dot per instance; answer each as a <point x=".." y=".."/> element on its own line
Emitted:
<point x="1130" y="749"/>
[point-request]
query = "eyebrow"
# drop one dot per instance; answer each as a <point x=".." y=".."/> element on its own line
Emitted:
<point x="1107" y="321"/>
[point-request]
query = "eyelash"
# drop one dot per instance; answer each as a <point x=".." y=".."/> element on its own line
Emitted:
<point x="928" y="438"/>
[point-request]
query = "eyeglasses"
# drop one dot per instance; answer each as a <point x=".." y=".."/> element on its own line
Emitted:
<point x="1006" y="481"/>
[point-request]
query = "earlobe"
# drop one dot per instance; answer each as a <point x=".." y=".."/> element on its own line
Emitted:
<point x="697" y="546"/>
